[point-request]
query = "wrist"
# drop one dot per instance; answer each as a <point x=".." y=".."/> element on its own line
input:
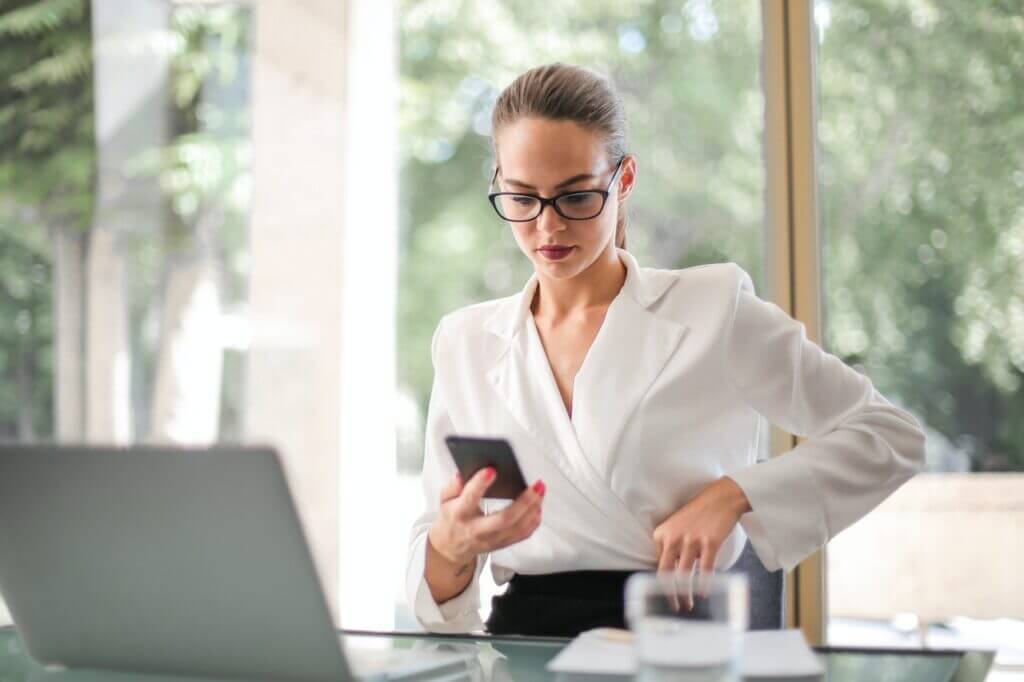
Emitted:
<point x="737" y="498"/>
<point x="435" y="542"/>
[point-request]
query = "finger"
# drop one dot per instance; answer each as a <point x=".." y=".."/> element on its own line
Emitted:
<point x="523" y="529"/>
<point x="452" y="488"/>
<point x="688" y="566"/>
<point x="475" y="489"/>
<point x="708" y="555"/>
<point x="688" y="557"/>
<point x="666" y="566"/>
<point x="489" y="527"/>
<point x="667" y="559"/>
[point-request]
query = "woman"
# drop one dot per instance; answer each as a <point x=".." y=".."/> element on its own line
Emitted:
<point x="632" y="397"/>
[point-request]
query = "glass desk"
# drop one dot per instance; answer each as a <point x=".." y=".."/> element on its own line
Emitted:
<point x="523" y="659"/>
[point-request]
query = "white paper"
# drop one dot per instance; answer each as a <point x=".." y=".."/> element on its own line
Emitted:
<point x="707" y="643"/>
<point x="766" y="653"/>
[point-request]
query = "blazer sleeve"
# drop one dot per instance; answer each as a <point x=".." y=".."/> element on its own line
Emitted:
<point x="859" y="448"/>
<point x="462" y="612"/>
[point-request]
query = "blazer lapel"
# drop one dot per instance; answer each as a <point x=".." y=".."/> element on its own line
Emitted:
<point x="522" y="378"/>
<point x="630" y="350"/>
<point x="518" y="379"/>
<point x="629" y="353"/>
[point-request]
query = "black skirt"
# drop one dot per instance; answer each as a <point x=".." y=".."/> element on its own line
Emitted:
<point x="560" y="604"/>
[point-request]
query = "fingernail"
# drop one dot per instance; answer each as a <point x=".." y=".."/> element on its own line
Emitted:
<point x="491" y="473"/>
<point x="539" y="488"/>
<point x="458" y="478"/>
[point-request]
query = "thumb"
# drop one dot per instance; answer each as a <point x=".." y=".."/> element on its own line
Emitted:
<point x="476" y="487"/>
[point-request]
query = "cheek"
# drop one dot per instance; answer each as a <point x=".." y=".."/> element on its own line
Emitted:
<point x="521" y="233"/>
<point x="600" y="228"/>
<point x="524" y="236"/>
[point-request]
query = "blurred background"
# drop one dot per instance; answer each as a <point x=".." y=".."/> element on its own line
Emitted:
<point x="241" y="221"/>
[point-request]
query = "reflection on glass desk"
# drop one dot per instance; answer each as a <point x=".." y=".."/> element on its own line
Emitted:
<point x="524" y="659"/>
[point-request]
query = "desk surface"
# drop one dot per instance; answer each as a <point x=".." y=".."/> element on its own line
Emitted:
<point x="524" y="658"/>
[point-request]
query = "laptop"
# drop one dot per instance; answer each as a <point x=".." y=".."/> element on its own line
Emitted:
<point x="188" y="562"/>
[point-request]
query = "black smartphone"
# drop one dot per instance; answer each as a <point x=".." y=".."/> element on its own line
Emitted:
<point x="473" y="454"/>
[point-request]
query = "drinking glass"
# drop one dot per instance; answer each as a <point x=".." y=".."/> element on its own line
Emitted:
<point x="687" y="627"/>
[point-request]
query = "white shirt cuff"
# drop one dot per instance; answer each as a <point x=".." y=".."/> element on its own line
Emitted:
<point x="786" y="523"/>
<point x="459" y="614"/>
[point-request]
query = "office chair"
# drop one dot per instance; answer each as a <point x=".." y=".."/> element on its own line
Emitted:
<point x="767" y="603"/>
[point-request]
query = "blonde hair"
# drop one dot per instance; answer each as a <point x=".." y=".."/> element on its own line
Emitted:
<point x="563" y="92"/>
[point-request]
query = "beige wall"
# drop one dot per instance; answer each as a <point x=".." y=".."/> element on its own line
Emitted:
<point x="943" y="545"/>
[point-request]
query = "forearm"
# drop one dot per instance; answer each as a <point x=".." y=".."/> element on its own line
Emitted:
<point x="736" y="498"/>
<point x="446" y="579"/>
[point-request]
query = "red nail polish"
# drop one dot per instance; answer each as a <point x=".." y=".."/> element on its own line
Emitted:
<point x="539" y="488"/>
<point x="491" y="473"/>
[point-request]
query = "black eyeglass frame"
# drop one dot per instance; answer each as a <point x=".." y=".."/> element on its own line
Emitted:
<point x="552" y="201"/>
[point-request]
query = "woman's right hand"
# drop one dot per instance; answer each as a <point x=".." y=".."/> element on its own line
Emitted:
<point x="462" y="531"/>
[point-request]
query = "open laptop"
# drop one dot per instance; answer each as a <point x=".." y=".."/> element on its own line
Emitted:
<point x="172" y="561"/>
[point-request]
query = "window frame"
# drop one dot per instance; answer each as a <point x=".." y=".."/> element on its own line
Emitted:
<point x="792" y="259"/>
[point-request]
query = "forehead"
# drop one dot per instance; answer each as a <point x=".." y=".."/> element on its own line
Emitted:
<point x="543" y="152"/>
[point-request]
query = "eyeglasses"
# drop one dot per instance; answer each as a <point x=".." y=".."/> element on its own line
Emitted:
<point x="579" y="205"/>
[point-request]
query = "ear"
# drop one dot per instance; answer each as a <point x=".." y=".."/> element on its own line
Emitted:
<point x="627" y="177"/>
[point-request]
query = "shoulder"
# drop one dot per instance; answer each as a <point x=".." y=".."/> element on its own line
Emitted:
<point x="719" y="277"/>
<point x="468" y="323"/>
<point x="704" y="297"/>
<point x="472" y="318"/>
<point x="713" y="285"/>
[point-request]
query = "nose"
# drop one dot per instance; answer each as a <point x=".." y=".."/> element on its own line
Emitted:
<point x="549" y="222"/>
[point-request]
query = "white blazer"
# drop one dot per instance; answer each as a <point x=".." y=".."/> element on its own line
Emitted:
<point x="668" y="399"/>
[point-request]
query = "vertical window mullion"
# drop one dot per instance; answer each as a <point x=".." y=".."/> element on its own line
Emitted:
<point x="791" y="237"/>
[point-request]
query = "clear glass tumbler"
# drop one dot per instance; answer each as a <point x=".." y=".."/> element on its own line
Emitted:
<point x="687" y="627"/>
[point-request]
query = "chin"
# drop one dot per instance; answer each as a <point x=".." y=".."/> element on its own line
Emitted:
<point x="558" y="270"/>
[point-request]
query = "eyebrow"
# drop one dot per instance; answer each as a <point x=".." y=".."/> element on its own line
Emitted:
<point x="565" y="183"/>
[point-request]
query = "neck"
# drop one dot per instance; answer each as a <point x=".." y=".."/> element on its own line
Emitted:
<point x="595" y="287"/>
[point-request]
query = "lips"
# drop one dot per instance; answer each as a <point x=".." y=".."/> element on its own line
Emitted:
<point x="555" y="252"/>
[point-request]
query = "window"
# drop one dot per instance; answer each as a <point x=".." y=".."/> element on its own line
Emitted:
<point x="921" y="179"/>
<point x="123" y="221"/>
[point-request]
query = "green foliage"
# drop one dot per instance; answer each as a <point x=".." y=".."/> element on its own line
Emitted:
<point x="26" y="332"/>
<point x="39" y="18"/>
<point x="922" y="166"/>
<point x="47" y="178"/>
<point x="204" y="169"/>
<point x="46" y="183"/>
<point x="203" y="173"/>
<point x="46" y="109"/>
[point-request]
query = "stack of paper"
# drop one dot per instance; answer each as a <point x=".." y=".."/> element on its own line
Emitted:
<point x="766" y="653"/>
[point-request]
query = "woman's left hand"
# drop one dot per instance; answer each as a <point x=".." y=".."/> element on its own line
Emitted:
<point x="692" y="536"/>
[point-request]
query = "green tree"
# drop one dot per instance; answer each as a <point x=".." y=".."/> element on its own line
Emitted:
<point x="46" y="185"/>
<point x="204" y="173"/>
<point x="922" y="165"/>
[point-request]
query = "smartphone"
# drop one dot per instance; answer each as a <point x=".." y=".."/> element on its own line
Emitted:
<point x="473" y="454"/>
